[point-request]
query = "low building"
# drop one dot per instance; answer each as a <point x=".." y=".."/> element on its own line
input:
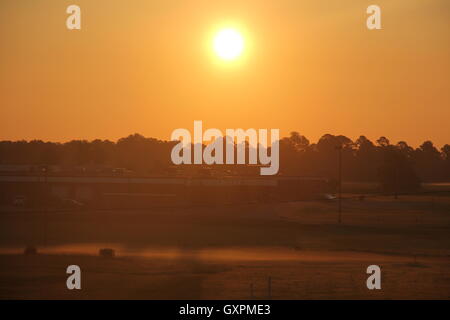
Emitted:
<point x="142" y="192"/>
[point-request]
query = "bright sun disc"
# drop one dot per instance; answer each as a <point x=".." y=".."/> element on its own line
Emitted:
<point x="228" y="44"/>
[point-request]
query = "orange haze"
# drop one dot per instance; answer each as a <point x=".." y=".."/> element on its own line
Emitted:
<point x="146" y="66"/>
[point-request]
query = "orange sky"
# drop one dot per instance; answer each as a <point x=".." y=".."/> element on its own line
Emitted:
<point x="146" y="66"/>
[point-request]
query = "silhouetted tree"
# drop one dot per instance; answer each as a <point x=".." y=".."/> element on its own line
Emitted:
<point x="428" y="161"/>
<point x="396" y="174"/>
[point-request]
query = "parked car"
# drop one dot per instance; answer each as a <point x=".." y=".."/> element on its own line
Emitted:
<point x="72" y="204"/>
<point x="19" y="201"/>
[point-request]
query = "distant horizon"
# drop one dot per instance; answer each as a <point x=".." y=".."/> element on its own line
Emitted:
<point x="312" y="141"/>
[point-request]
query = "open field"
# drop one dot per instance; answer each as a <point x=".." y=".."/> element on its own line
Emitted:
<point x="220" y="252"/>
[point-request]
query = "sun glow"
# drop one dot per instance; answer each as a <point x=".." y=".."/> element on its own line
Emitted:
<point x="228" y="44"/>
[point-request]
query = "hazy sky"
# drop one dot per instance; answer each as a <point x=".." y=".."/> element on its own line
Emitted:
<point x="147" y="66"/>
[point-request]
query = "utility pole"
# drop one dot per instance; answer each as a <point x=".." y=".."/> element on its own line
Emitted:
<point x="396" y="183"/>
<point x="339" y="149"/>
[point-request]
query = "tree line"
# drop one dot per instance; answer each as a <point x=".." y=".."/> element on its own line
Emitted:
<point x="394" y="165"/>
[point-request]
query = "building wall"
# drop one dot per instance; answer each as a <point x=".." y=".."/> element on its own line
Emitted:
<point x="147" y="192"/>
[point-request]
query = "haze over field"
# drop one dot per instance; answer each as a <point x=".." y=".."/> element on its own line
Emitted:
<point x="219" y="252"/>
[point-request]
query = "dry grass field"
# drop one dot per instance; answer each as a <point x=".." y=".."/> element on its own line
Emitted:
<point x="230" y="252"/>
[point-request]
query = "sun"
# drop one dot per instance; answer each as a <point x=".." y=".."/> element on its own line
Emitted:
<point x="228" y="44"/>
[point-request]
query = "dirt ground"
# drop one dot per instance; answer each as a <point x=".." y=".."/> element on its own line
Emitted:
<point x="231" y="252"/>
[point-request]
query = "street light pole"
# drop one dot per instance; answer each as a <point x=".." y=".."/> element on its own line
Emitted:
<point x="339" y="148"/>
